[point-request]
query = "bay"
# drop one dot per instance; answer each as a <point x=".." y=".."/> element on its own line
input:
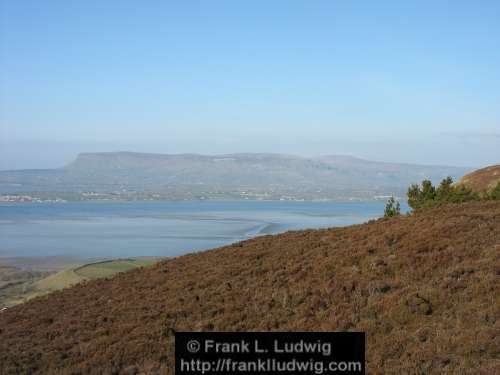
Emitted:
<point x="131" y="229"/>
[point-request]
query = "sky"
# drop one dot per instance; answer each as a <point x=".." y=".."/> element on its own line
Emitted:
<point x="399" y="81"/>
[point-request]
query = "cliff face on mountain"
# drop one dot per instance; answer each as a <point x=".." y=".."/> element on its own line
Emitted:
<point x="423" y="286"/>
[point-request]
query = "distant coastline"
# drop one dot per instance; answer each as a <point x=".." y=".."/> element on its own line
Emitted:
<point x="129" y="176"/>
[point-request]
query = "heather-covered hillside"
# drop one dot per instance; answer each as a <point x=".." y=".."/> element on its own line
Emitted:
<point x="425" y="287"/>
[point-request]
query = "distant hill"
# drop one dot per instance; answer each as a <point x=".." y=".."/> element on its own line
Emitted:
<point x="482" y="180"/>
<point x="233" y="176"/>
<point x="424" y="287"/>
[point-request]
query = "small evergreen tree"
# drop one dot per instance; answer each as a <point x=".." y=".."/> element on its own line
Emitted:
<point x="414" y="196"/>
<point x="428" y="195"/>
<point x="444" y="192"/>
<point x="392" y="208"/>
<point x="463" y="194"/>
<point x="428" y="191"/>
<point x="419" y="197"/>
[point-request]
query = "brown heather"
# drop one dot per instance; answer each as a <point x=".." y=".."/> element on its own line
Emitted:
<point x="425" y="287"/>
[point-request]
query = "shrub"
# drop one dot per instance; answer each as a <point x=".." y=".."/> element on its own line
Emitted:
<point x="462" y="194"/>
<point x="495" y="193"/>
<point x="419" y="197"/>
<point x="427" y="195"/>
<point x="445" y="190"/>
<point x="392" y="208"/>
<point x="414" y="195"/>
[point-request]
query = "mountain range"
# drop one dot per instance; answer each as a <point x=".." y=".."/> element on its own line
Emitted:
<point x="131" y="175"/>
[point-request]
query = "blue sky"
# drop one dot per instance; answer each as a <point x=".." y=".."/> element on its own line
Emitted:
<point x="385" y="80"/>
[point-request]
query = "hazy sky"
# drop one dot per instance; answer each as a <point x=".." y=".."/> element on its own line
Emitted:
<point x="411" y="81"/>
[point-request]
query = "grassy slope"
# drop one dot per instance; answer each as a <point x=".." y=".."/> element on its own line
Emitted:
<point x="69" y="277"/>
<point x="424" y="287"/>
<point x="89" y="271"/>
<point x="59" y="280"/>
<point x="110" y="268"/>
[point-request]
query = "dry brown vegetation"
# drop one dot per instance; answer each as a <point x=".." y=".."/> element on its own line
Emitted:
<point x="425" y="287"/>
<point x="483" y="179"/>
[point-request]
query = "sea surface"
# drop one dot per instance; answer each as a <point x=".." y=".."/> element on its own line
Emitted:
<point x="131" y="229"/>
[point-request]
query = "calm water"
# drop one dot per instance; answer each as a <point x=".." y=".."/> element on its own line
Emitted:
<point x="113" y="230"/>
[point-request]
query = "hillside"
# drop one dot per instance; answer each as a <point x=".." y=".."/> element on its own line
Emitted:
<point x="424" y="287"/>
<point x="236" y="176"/>
<point x="482" y="180"/>
<point x="18" y="285"/>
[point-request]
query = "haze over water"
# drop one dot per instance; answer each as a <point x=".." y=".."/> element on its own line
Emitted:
<point x="132" y="229"/>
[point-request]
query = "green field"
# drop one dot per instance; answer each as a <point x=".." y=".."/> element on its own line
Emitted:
<point x="21" y="292"/>
<point x="109" y="268"/>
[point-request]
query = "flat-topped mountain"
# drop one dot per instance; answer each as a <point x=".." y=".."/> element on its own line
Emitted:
<point x="234" y="176"/>
<point x="423" y="286"/>
<point x="482" y="180"/>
